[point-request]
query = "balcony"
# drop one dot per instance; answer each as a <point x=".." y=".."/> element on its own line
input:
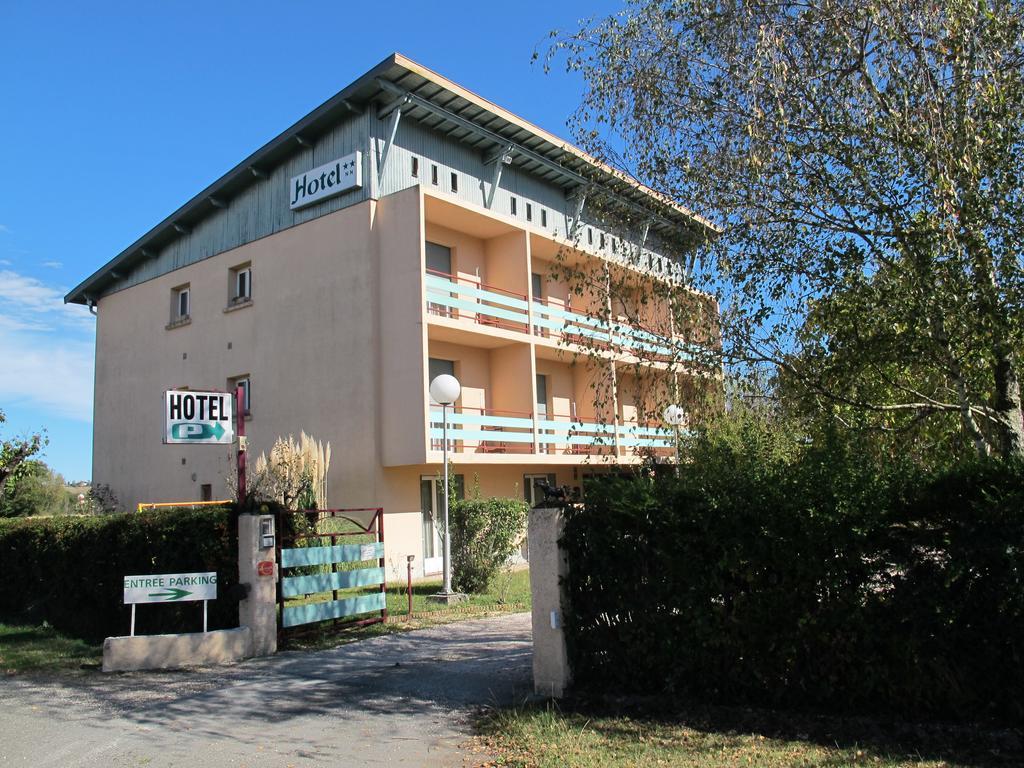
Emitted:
<point x="467" y="300"/>
<point x="485" y="431"/>
<point x="462" y="299"/>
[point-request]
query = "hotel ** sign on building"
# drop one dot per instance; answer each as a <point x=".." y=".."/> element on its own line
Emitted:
<point x="326" y="180"/>
<point x="198" y="417"/>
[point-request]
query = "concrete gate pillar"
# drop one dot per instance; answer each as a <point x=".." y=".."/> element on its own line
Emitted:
<point x="258" y="610"/>
<point x="548" y="564"/>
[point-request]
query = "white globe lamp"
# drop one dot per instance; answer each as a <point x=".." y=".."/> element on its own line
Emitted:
<point x="445" y="389"/>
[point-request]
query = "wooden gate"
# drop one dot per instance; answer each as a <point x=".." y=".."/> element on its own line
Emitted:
<point x="331" y="568"/>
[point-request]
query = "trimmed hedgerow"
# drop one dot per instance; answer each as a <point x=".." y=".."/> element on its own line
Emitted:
<point x="824" y="580"/>
<point x="69" y="571"/>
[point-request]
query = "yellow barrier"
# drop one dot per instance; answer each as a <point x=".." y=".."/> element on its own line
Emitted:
<point x="189" y="504"/>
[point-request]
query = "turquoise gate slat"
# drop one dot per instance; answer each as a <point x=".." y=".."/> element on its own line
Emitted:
<point x="327" y="570"/>
<point x="332" y="609"/>
<point x="295" y="586"/>
<point x="339" y="553"/>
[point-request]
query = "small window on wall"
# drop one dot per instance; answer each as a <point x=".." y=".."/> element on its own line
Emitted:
<point x="181" y="303"/>
<point x="512" y="205"/>
<point x="206" y="492"/>
<point x="543" y="217"/>
<point x="415" y="169"/>
<point x="433" y="175"/>
<point x="246" y="384"/>
<point x="590" y="236"/>
<point x="455" y="182"/>
<point x="529" y="212"/>
<point x="241" y="284"/>
<point x="600" y="242"/>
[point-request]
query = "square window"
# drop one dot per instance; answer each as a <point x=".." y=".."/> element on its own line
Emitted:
<point x="455" y="182"/>
<point x="415" y="167"/>
<point x="433" y="175"/>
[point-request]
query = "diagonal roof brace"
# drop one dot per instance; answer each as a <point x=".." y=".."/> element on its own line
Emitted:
<point x="382" y="161"/>
<point x="504" y="155"/>
<point x="579" y="199"/>
<point x="500" y="160"/>
<point x="520" y="150"/>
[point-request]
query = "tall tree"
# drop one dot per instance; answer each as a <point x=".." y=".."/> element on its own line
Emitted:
<point x="14" y="454"/>
<point x="865" y="162"/>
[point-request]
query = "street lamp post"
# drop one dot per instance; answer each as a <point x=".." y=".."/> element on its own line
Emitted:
<point x="675" y="416"/>
<point x="445" y="390"/>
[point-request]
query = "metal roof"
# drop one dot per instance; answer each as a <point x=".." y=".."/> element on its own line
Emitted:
<point x="439" y="104"/>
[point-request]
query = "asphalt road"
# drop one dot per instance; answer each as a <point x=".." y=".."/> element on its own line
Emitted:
<point x="395" y="700"/>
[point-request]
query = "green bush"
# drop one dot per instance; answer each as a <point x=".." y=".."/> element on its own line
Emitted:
<point x="484" y="534"/>
<point x="35" y="490"/>
<point x="804" y="576"/>
<point x="69" y="571"/>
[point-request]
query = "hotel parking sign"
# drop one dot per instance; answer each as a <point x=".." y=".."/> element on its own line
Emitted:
<point x="198" y="417"/>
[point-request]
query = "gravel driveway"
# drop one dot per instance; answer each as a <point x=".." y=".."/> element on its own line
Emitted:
<point x="399" y="699"/>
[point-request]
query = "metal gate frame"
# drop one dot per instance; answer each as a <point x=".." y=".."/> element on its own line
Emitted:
<point x="333" y="555"/>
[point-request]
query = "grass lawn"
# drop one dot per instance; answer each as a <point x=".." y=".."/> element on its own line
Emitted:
<point x="509" y="592"/>
<point x="26" y="648"/>
<point x="540" y="736"/>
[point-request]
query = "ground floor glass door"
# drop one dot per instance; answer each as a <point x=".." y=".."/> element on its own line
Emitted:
<point x="432" y="515"/>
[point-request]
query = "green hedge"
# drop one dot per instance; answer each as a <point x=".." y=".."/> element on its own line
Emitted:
<point x="829" y="580"/>
<point x="485" y="534"/>
<point x="69" y="571"/>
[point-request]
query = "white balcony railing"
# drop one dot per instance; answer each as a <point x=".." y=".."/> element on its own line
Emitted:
<point x="459" y="298"/>
<point x="475" y="430"/>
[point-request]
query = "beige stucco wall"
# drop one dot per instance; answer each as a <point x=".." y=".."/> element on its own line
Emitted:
<point x="308" y="341"/>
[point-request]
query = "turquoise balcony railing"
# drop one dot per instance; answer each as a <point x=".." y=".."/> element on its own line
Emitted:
<point x="478" y="430"/>
<point x="482" y="303"/>
<point x="448" y="296"/>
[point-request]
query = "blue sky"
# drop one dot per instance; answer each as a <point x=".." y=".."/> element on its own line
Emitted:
<point x="114" y="114"/>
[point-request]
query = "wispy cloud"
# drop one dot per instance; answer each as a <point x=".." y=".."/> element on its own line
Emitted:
<point x="5" y="262"/>
<point x="5" y="229"/>
<point x="53" y="264"/>
<point x="46" y="347"/>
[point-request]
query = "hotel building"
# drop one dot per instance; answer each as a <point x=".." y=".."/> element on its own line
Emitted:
<point x="403" y="229"/>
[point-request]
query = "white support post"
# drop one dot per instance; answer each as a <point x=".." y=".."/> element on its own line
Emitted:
<point x="503" y="158"/>
<point x="204" y="615"/>
<point x="581" y="199"/>
<point x="396" y="115"/>
<point x="447" y="582"/>
<point x="132" y="633"/>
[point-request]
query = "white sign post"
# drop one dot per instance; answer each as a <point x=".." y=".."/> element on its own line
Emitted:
<point x="170" y="588"/>
<point x="198" y="417"/>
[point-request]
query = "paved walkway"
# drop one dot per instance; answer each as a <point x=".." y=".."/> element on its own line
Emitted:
<point x="394" y="700"/>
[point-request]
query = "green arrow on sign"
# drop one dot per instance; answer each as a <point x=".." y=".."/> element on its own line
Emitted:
<point x="171" y="594"/>
<point x="193" y="431"/>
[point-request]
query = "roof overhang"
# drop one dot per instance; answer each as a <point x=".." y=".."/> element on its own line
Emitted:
<point x="423" y="95"/>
